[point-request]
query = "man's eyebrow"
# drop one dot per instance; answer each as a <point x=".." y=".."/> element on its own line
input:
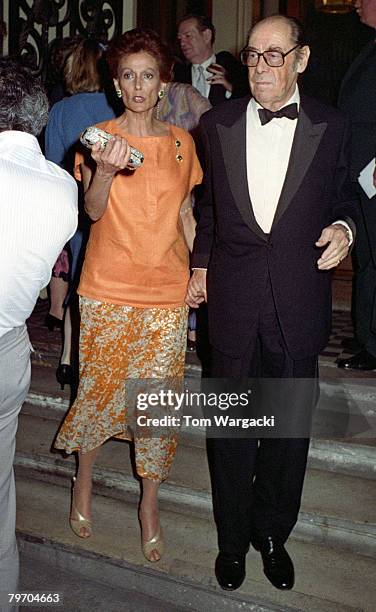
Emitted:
<point x="186" y="31"/>
<point x="271" y="48"/>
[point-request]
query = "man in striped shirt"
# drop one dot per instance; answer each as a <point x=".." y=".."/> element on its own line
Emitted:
<point x="38" y="214"/>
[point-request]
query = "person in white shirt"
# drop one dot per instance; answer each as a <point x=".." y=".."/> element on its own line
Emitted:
<point x="217" y="76"/>
<point x="38" y="214"/>
<point x="275" y="216"/>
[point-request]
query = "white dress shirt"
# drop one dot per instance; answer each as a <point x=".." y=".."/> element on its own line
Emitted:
<point x="38" y="214"/>
<point x="268" y="154"/>
<point x="268" y="149"/>
<point x="202" y="84"/>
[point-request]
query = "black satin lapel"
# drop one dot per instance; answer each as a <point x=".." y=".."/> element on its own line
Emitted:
<point x="233" y="145"/>
<point x="306" y="141"/>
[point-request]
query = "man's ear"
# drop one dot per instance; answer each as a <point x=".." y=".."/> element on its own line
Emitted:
<point x="207" y="34"/>
<point x="303" y="56"/>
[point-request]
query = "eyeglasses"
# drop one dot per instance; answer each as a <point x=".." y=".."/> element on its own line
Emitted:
<point x="274" y="59"/>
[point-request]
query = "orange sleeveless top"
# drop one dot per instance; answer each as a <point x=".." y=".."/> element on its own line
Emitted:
<point x="136" y="253"/>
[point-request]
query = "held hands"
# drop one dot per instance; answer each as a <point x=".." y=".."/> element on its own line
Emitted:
<point x="219" y="76"/>
<point x="113" y="157"/>
<point x="196" y="292"/>
<point x="338" y="246"/>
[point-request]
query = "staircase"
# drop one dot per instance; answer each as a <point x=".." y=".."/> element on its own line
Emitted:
<point x="333" y="545"/>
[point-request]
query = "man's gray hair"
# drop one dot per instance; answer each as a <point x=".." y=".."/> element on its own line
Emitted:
<point x="23" y="101"/>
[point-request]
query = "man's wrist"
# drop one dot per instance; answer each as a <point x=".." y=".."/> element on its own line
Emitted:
<point x="347" y="229"/>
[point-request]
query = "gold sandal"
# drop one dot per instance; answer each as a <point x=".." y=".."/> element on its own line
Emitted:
<point x="156" y="543"/>
<point x="81" y="522"/>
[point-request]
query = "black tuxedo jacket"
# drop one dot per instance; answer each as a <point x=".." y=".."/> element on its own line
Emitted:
<point x="357" y="98"/>
<point x="237" y="75"/>
<point x="240" y="256"/>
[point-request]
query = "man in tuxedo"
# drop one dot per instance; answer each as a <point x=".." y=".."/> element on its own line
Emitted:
<point x="358" y="98"/>
<point x="275" y="218"/>
<point x="217" y="77"/>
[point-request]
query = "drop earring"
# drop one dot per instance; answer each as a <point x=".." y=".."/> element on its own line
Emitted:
<point x="161" y="93"/>
<point x="118" y="92"/>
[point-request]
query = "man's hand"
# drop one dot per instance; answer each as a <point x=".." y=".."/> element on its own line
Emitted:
<point x="219" y="76"/>
<point x="338" y="246"/>
<point x="196" y="292"/>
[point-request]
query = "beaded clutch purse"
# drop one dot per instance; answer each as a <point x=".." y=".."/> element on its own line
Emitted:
<point x="92" y="135"/>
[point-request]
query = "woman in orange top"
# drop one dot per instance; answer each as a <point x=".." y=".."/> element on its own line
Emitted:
<point x="134" y="280"/>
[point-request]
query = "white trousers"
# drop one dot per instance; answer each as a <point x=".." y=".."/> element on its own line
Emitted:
<point x="14" y="385"/>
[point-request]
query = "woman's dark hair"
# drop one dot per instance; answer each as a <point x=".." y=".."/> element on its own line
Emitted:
<point x="134" y="41"/>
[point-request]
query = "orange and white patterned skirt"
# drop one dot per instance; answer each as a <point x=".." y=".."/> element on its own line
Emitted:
<point x="120" y="345"/>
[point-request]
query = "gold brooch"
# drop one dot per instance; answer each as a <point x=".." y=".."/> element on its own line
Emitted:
<point x="178" y="157"/>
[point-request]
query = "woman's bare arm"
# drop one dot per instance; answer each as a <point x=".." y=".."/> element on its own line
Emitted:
<point x="97" y="183"/>
<point x="188" y="221"/>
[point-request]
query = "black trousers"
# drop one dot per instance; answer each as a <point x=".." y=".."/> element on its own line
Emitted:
<point x="257" y="483"/>
<point x="364" y="297"/>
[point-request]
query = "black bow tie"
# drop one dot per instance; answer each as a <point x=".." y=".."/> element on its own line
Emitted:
<point x="290" y="111"/>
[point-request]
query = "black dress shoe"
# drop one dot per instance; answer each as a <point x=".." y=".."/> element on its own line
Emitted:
<point x="191" y="345"/>
<point x="51" y="322"/>
<point x="363" y="361"/>
<point x="351" y="345"/>
<point x="229" y="571"/>
<point x="64" y="374"/>
<point x="278" y="567"/>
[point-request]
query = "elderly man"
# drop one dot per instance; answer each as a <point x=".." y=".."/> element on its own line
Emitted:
<point x="358" y="98"/>
<point x="276" y="186"/>
<point x="38" y="214"/>
<point x="216" y="76"/>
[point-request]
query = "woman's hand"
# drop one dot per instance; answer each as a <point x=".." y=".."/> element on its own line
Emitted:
<point x="196" y="292"/>
<point x="112" y="158"/>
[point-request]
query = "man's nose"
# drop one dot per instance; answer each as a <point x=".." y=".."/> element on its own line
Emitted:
<point x="262" y="66"/>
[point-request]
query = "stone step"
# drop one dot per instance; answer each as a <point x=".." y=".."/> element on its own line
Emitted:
<point x="327" y="580"/>
<point x="347" y="405"/>
<point x="352" y="456"/>
<point x="77" y="592"/>
<point x="337" y="509"/>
